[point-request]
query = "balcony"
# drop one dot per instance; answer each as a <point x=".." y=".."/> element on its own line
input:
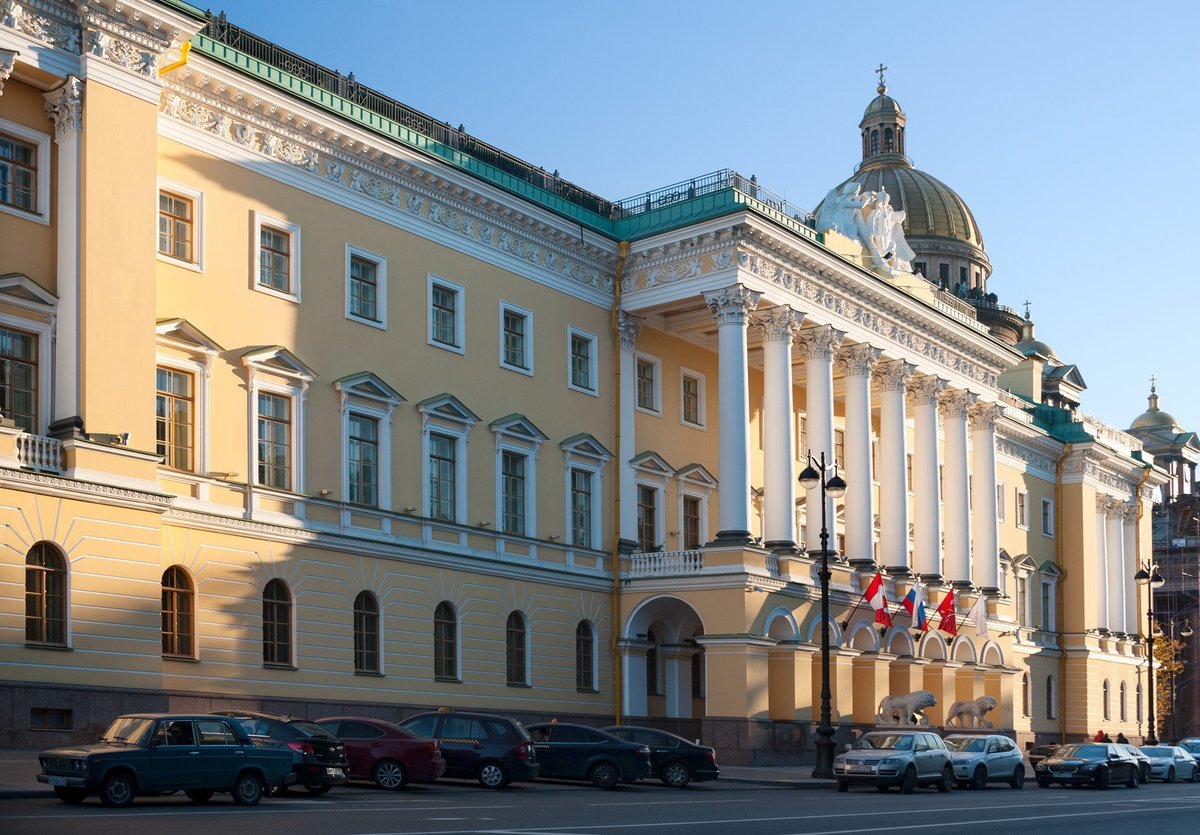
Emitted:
<point x="665" y="564"/>
<point x="39" y="453"/>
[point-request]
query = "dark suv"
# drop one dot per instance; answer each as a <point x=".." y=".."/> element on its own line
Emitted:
<point x="491" y="749"/>
<point x="318" y="757"/>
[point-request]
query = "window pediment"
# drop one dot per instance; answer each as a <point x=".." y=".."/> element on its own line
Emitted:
<point x="696" y="475"/>
<point x="366" y="385"/>
<point x="517" y="426"/>
<point x="449" y="408"/>
<point x="651" y="463"/>
<point x="1050" y="570"/>
<point x="180" y="333"/>
<point x="278" y="360"/>
<point x="585" y="445"/>
<point x="20" y="291"/>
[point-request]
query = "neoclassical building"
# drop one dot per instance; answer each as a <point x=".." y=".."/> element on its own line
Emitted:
<point x="317" y="404"/>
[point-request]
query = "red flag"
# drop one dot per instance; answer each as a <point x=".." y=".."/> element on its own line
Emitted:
<point x="878" y="599"/>
<point x="949" y="621"/>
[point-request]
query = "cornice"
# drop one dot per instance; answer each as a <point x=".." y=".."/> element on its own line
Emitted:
<point x="1093" y="464"/>
<point x="67" y="488"/>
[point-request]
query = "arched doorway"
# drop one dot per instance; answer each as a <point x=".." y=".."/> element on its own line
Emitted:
<point x="664" y="672"/>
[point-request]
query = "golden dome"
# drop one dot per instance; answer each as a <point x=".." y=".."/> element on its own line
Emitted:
<point x="1153" y="417"/>
<point x="881" y="104"/>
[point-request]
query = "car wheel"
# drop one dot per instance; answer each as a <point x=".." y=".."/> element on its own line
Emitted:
<point x="1018" y="778"/>
<point x="199" y="795"/>
<point x="492" y="776"/>
<point x="1144" y="774"/>
<point x="317" y="789"/>
<point x="604" y="775"/>
<point x="67" y="794"/>
<point x="908" y="783"/>
<point x="1170" y="778"/>
<point x="1101" y="781"/>
<point x="979" y="778"/>
<point x="843" y="786"/>
<point x="676" y="775"/>
<point x="118" y="790"/>
<point x="390" y="775"/>
<point x="1043" y="784"/>
<point x="947" y="781"/>
<point x="1134" y="780"/>
<point x="247" y="790"/>
<point x="1193" y="777"/>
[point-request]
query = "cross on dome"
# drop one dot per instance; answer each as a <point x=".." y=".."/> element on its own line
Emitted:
<point x="880" y="70"/>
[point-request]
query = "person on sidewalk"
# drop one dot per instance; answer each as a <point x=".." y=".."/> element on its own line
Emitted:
<point x="1099" y="737"/>
<point x="1121" y="739"/>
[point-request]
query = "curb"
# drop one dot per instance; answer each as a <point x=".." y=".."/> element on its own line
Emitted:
<point x="807" y="785"/>
<point x="12" y="793"/>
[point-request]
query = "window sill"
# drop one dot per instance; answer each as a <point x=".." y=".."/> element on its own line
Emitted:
<point x="186" y="659"/>
<point x="271" y="665"/>
<point x="446" y="346"/>
<point x="51" y="647"/>
<point x="523" y="684"/>
<point x="590" y="392"/>
<point x="587" y="690"/>
<point x="378" y="324"/>
<point x="448" y="679"/>
<point x="528" y="372"/>
<point x="194" y="266"/>
<point x="369" y="673"/>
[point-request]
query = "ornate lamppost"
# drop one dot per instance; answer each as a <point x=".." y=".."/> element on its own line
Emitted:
<point x="1155" y="581"/>
<point x="813" y="475"/>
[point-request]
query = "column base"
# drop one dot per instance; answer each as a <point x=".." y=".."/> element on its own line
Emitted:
<point x="862" y="564"/>
<point x="780" y="546"/>
<point x="732" y="538"/>
<point x="68" y="427"/>
<point x="931" y="579"/>
<point x="898" y="572"/>
<point x="961" y="585"/>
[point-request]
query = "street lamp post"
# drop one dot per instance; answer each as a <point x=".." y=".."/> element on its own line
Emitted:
<point x="813" y="475"/>
<point x="1185" y="632"/>
<point x="1154" y="580"/>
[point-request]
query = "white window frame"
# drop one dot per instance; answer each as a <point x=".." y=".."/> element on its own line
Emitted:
<point x="460" y="304"/>
<point x="702" y="498"/>
<point x="698" y="376"/>
<point x="657" y="363"/>
<point x="573" y="333"/>
<point x="296" y="457"/>
<point x="41" y="141"/>
<point x="693" y="481"/>
<point x="201" y="373"/>
<point x="1000" y="494"/>
<point x="520" y="437"/>
<point x="277" y="371"/>
<point x="1022" y="509"/>
<point x="383" y="439"/>
<point x="585" y="453"/>
<point x="197" y="198"/>
<point x="660" y="490"/>
<point x="1048" y="617"/>
<point x="380" y="262"/>
<point x="1047" y="517"/>
<point x="457" y="426"/>
<point x="293" y="232"/>
<point x="44" y="330"/>
<point x="509" y="307"/>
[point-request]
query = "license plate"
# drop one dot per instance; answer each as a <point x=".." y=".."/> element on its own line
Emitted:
<point x="334" y="772"/>
<point x="58" y="781"/>
<point x="861" y="768"/>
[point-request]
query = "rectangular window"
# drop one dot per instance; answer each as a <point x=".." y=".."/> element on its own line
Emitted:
<point x="176" y="222"/>
<point x="1022" y="600"/>
<point x="1047" y="619"/>
<point x="19" y="378"/>
<point x="944" y="274"/>
<point x="692" y="399"/>
<point x="839" y="447"/>
<point x="274" y="441"/>
<point x="582" y="371"/>
<point x="364" y="288"/>
<point x="921" y="268"/>
<point x="647" y="518"/>
<point x="512" y="492"/>
<point x="444" y="315"/>
<point x="908" y="475"/>
<point x="962" y="276"/>
<point x="18" y="173"/>
<point x="51" y="719"/>
<point x="1047" y="517"/>
<point x="275" y="259"/>
<point x="802" y="438"/>
<point x="363" y="460"/>
<point x="1000" y="502"/>
<point x="647" y="384"/>
<point x="516" y="338"/>
<point x="442" y="477"/>
<point x="691" y="523"/>
<point x="174" y="416"/>
<point x="581" y="508"/>
<point x="1022" y="509"/>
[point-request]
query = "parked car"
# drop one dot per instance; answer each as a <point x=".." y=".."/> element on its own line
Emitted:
<point x="1143" y="761"/>
<point x="385" y="753"/>
<point x="318" y="757"/>
<point x="1096" y="764"/>
<point x="1170" y="763"/>
<point x="494" y="750"/>
<point x="673" y="759"/>
<point x="907" y="759"/>
<point x="1191" y="745"/>
<point x="1040" y="752"/>
<point x="982" y="759"/>
<point x="152" y="753"/>
<point x="577" y="752"/>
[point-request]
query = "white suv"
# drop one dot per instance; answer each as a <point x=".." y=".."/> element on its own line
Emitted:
<point x="883" y="759"/>
<point x="980" y="759"/>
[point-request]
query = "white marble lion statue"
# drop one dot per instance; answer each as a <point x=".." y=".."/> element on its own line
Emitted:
<point x="907" y="709"/>
<point x="969" y="714"/>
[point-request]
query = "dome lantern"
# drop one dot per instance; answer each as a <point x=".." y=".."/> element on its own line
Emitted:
<point x="882" y="127"/>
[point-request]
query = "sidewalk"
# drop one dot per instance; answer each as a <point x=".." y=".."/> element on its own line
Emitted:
<point x="19" y="767"/>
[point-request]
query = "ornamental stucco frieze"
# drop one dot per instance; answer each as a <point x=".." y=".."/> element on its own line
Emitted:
<point x="55" y="24"/>
<point x="8" y="61"/>
<point x="1025" y="453"/>
<point x="1092" y="465"/>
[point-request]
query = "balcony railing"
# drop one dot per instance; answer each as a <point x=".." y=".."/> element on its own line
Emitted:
<point x="36" y="452"/>
<point x="666" y="563"/>
<point x="707" y="184"/>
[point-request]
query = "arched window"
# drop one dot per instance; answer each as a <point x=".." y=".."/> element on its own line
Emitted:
<point x="1026" y="705"/>
<point x="178" y="613"/>
<point x="445" y="642"/>
<point x="874" y="142"/>
<point x="277" y="623"/>
<point x="1124" y="716"/>
<point x="366" y="633"/>
<point x="45" y="595"/>
<point x="889" y="144"/>
<point x="514" y="649"/>
<point x="1138" y="698"/>
<point x="1049" y="697"/>
<point x="585" y="657"/>
<point x="652" y="665"/>
<point x="1104" y="709"/>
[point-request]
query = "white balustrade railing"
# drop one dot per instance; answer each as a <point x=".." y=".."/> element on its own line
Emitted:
<point x="36" y="452"/>
<point x="666" y="563"/>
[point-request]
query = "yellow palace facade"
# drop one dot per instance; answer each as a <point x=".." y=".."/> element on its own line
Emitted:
<point x="315" y="404"/>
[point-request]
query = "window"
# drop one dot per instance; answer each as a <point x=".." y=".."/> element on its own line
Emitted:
<point x="19" y="180"/>
<point x="514" y="650"/>
<point x="963" y="277"/>
<point x="697" y="665"/>
<point x="581" y="370"/>
<point x="445" y="642"/>
<point x="581" y="507"/>
<point x="443" y="481"/>
<point x="648" y="394"/>
<point x="45" y="595"/>
<point x="908" y="471"/>
<point x="1049" y="697"/>
<point x="274" y="441"/>
<point x="363" y="460"/>
<point x="446" y="315"/>
<point x="366" y="287"/>
<point x="1104" y="708"/>
<point x="175" y="417"/>
<point x="1047" y="614"/>
<point x="888" y="137"/>
<point x="513" y="500"/>
<point x="691" y="522"/>
<point x="278" y="247"/>
<point x="921" y="268"/>
<point x="51" y="719"/>
<point x="176" y="225"/>
<point x="944" y="274"/>
<point x="647" y="518"/>
<point x="1022" y="507"/>
<point x="1121" y="703"/>
<point x="652" y="686"/>
<point x="874" y="142"/>
<point x="19" y="378"/>
<point x="1026" y="706"/>
<point x="1022" y="600"/>
<point x="516" y="338"/>
<point x="178" y="614"/>
<point x="1047" y="517"/>
<point x="1138" y="700"/>
<point x="446" y="425"/>
<point x="691" y="398"/>
<point x="585" y="657"/>
<point x="366" y="633"/>
<point x="999" y="502"/>
<point x="839" y="447"/>
<point x="277" y="624"/>
<point x="584" y="467"/>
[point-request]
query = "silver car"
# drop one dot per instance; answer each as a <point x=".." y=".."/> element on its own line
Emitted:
<point x="1170" y="763"/>
<point x="907" y="759"/>
<point x="980" y="759"/>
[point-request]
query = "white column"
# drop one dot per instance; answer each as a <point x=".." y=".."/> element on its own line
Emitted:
<point x="956" y="484"/>
<point x="927" y="510"/>
<point x="779" y="455"/>
<point x="629" y="327"/>
<point x="892" y="377"/>
<point x="1116" y="561"/>
<point x="856" y="363"/>
<point x="731" y="306"/>
<point x="985" y="562"/>
<point x="1101" y="562"/>
<point x="65" y="108"/>
<point x="1129" y="566"/>
<point x="819" y="344"/>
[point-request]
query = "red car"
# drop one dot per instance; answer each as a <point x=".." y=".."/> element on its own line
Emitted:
<point x="385" y="753"/>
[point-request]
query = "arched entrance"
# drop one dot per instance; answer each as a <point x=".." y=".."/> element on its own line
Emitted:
<point x="663" y="666"/>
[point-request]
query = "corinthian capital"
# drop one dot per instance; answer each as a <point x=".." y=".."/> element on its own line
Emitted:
<point x="731" y="305"/>
<point x="64" y="106"/>
<point x="893" y="375"/>
<point x="8" y="60"/>
<point x="924" y="390"/>
<point x="983" y="416"/>
<point x="955" y="402"/>
<point x="819" y="342"/>
<point x="630" y="327"/>
<point x="857" y="360"/>
<point x="779" y="324"/>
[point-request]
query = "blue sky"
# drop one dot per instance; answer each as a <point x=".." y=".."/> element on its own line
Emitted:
<point x="1058" y="123"/>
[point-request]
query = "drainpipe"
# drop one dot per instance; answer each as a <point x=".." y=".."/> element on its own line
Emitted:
<point x="618" y="683"/>
<point x="1059" y="594"/>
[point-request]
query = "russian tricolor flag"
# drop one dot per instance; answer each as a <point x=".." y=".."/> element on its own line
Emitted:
<point x="915" y="607"/>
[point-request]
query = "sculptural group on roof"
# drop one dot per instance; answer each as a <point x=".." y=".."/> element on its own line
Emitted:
<point x="868" y="217"/>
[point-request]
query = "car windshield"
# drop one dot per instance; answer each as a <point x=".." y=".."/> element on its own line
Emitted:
<point x="1082" y="752"/>
<point x="126" y="729"/>
<point x="972" y="744"/>
<point x="885" y="742"/>
<point x="1158" y="752"/>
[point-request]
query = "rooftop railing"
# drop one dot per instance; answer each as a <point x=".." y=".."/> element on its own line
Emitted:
<point x="707" y="184"/>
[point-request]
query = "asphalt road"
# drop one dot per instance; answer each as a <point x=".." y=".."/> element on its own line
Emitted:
<point x="568" y="809"/>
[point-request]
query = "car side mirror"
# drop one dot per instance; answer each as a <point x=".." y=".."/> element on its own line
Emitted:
<point x="848" y="747"/>
<point x="155" y="742"/>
